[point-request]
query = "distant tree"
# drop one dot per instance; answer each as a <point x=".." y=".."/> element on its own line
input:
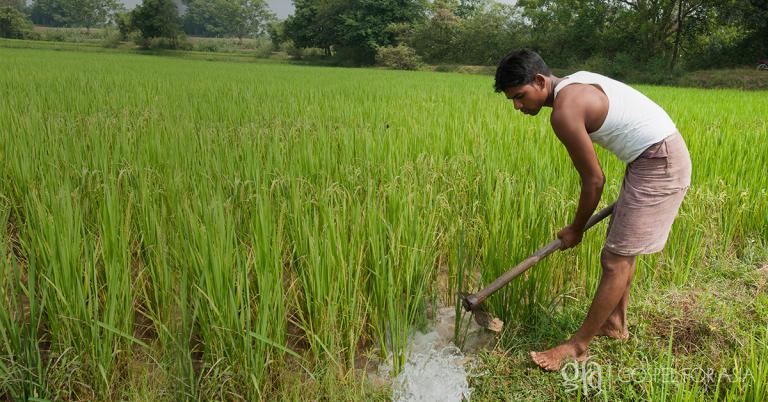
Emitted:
<point x="567" y="32"/>
<point x="91" y="13"/>
<point x="644" y="38"/>
<point x="743" y="25"/>
<point x="435" y="39"/>
<point x="157" y="19"/>
<point x="461" y="8"/>
<point x="487" y="34"/>
<point x="80" y="13"/>
<point x="124" y="22"/>
<point x="20" y="5"/>
<point x="353" y="27"/>
<point x="50" y="13"/>
<point x="233" y="18"/>
<point x="663" y="29"/>
<point x="363" y="25"/>
<point x="312" y="24"/>
<point x="13" y="23"/>
<point x="276" y="31"/>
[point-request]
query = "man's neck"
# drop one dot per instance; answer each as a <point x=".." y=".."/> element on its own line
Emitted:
<point x="552" y="82"/>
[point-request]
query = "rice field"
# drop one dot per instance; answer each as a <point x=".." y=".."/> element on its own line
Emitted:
<point x="187" y="230"/>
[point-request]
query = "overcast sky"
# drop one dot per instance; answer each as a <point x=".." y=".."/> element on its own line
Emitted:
<point x="282" y="8"/>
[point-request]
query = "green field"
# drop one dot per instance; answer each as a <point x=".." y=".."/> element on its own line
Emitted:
<point x="184" y="229"/>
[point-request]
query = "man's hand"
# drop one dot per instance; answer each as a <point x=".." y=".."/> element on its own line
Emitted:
<point x="570" y="237"/>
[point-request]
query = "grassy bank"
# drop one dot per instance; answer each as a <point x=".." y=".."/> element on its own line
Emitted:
<point x="178" y="229"/>
<point x="733" y="78"/>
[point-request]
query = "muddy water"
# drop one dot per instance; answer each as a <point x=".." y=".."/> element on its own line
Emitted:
<point x="436" y="369"/>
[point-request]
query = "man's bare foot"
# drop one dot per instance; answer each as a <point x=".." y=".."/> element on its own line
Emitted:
<point x="613" y="331"/>
<point x="553" y="359"/>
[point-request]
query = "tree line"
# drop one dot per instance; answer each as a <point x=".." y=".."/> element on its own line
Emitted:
<point x="151" y="19"/>
<point x="614" y="35"/>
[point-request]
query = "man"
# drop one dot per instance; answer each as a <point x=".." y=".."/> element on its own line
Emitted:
<point x="587" y="108"/>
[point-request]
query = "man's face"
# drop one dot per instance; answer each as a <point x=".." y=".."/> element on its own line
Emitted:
<point x="528" y="98"/>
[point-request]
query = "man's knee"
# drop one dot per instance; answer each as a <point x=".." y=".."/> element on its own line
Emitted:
<point x="616" y="264"/>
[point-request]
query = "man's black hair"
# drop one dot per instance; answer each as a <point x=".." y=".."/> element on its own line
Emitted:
<point x="519" y="67"/>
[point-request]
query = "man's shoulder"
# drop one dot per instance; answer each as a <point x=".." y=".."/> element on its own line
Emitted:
<point x="579" y="101"/>
<point x="576" y="96"/>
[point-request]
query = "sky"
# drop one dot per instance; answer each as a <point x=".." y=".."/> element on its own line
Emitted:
<point x="283" y="8"/>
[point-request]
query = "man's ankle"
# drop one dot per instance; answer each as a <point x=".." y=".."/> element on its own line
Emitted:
<point x="579" y="345"/>
<point x="613" y="322"/>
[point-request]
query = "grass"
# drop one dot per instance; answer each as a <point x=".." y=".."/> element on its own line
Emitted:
<point x="747" y="78"/>
<point x="703" y="340"/>
<point x="185" y="230"/>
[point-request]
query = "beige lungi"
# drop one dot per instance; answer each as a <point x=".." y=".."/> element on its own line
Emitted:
<point x="654" y="187"/>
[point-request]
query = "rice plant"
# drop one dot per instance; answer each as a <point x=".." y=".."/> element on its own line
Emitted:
<point x="232" y="229"/>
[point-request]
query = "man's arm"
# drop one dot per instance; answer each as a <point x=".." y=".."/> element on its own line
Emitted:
<point x="569" y="126"/>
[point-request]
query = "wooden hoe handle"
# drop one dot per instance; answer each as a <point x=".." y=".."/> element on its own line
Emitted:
<point x="472" y="301"/>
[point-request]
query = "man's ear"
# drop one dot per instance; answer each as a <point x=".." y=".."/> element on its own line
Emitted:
<point x="540" y="81"/>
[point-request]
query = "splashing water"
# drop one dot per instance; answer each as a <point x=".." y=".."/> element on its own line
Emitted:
<point x="435" y="368"/>
<point x="432" y="375"/>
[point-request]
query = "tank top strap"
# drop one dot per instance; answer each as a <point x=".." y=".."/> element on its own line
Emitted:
<point x="562" y="84"/>
<point x="568" y="80"/>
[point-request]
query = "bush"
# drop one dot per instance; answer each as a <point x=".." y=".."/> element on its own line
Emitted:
<point x="13" y="24"/>
<point x="291" y="49"/>
<point x="74" y="35"/>
<point x="264" y="51"/>
<point x="112" y="39"/>
<point x="206" y="45"/>
<point x="184" y="44"/>
<point x="260" y="46"/>
<point x="400" y="57"/>
<point x="179" y="43"/>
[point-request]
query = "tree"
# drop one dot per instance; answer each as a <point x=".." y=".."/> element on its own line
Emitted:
<point x="91" y="13"/>
<point x="634" y="39"/>
<point x="568" y="31"/>
<point x="363" y="25"/>
<point x="353" y="27"/>
<point x="81" y="13"/>
<point x="13" y="24"/>
<point x="19" y="5"/>
<point x="238" y="18"/>
<point x="276" y="31"/>
<point x="312" y="25"/>
<point x="740" y="35"/>
<point x="74" y="13"/>
<point x="124" y="22"/>
<point x="435" y="39"/>
<point x="466" y="9"/>
<point x="666" y="26"/>
<point x="49" y="13"/>
<point x="157" y="19"/>
<point x="487" y="35"/>
<point x="250" y="18"/>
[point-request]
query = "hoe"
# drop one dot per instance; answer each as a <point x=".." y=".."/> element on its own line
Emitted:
<point x="473" y="302"/>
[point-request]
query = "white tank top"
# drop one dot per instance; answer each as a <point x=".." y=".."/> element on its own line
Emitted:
<point x="633" y="123"/>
